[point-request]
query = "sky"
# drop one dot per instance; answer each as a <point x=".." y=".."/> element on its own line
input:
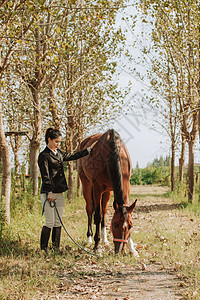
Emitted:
<point x="143" y="143"/>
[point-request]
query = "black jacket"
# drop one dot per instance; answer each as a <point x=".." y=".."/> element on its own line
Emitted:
<point x="52" y="171"/>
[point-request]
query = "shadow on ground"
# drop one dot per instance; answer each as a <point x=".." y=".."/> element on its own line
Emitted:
<point x="156" y="207"/>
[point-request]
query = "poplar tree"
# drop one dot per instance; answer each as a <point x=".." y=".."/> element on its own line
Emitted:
<point x="175" y="32"/>
<point x="11" y="33"/>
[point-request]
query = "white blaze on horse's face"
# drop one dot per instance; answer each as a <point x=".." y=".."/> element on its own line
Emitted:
<point x="125" y="225"/>
<point x="122" y="245"/>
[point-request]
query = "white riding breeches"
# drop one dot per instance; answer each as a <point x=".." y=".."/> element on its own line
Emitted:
<point x="50" y="213"/>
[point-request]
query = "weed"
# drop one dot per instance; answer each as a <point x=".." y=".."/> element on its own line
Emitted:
<point x="2" y="217"/>
<point x="174" y="241"/>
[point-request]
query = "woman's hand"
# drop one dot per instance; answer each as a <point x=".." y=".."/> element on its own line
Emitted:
<point x="50" y="197"/>
<point x="90" y="148"/>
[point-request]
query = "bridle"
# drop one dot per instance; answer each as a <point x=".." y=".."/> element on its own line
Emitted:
<point x="123" y="235"/>
<point x="122" y="240"/>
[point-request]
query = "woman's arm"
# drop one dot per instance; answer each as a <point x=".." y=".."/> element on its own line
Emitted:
<point x="82" y="153"/>
<point x="44" y="170"/>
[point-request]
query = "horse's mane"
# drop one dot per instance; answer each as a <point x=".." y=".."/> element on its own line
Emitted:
<point x="114" y="167"/>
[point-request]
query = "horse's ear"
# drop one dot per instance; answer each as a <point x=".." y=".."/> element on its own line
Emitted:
<point x="131" y="208"/>
<point x="115" y="205"/>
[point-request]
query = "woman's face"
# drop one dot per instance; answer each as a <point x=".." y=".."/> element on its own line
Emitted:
<point x="55" y="143"/>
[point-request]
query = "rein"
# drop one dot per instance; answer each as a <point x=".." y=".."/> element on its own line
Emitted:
<point x="53" y="204"/>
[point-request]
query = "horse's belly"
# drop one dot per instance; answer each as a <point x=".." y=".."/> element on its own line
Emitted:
<point x="96" y="175"/>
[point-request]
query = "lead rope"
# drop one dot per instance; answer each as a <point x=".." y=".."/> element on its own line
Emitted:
<point x="54" y="205"/>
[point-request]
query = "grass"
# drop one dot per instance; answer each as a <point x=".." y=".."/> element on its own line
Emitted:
<point x="170" y="237"/>
<point x="31" y="273"/>
<point x="174" y="240"/>
<point x="165" y="195"/>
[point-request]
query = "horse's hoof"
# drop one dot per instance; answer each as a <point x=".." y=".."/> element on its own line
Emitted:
<point x="134" y="253"/>
<point x="104" y="242"/>
<point x="107" y="245"/>
<point x="89" y="240"/>
<point x="98" y="250"/>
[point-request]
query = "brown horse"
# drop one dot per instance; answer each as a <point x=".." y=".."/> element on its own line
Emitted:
<point x="107" y="169"/>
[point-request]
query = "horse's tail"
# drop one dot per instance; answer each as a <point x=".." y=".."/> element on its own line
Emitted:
<point x="114" y="167"/>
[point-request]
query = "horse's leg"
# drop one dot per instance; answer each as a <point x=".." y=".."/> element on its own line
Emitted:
<point x="87" y="193"/>
<point x="105" y="198"/>
<point x="97" y="215"/>
<point x="89" y="209"/>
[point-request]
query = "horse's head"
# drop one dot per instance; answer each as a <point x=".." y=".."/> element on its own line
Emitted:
<point x="121" y="225"/>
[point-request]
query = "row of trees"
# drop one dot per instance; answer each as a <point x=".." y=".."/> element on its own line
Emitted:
<point x="157" y="172"/>
<point x="57" y="63"/>
<point x="172" y="57"/>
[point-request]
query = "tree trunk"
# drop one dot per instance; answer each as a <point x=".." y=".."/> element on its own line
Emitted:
<point x="34" y="171"/>
<point x="198" y="87"/>
<point x="52" y="103"/>
<point x="190" y="172"/>
<point x="182" y="159"/>
<point x="6" y="171"/>
<point x="17" y="164"/>
<point x="70" y="169"/>
<point x="15" y="143"/>
<point x="172" y="122"/>
<point x="199" y="184"/>
<point x="173" y="167"/>
<point x="70" y="181"/>
<point x="35" y="142"/>
<point x="78" y="190"/>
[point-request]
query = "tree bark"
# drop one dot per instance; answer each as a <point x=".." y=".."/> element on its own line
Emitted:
<point x="182" y="158"/>
<point x="15" y="144"/>
<point x="6" y="171"/>
<point x="78" y="190"/>
<point x="70" y="181"/>
<point x="198" y="88"/>
<point x="35" y="141"/>
<point x="16" y="158"/>
<point x="69" y="130"/>
<point x="173" y="166"/>
<point x="52" y="102"/>
<point x="70" y="169"/>
<point x="172" y="122"/>
<point x="190" y="171"/>
<point x="34" y="171"/>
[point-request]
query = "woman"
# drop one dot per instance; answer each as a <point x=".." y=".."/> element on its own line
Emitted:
<point x="54" y="183"/>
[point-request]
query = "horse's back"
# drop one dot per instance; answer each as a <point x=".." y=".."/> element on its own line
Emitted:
<point x="95" y="166"/>
<point x="90" y="140"/>
<point x="86" y="164"/>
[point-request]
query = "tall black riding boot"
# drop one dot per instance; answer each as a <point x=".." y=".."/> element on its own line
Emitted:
<point x="56" y="233"/>
<point x="44" y="239"/>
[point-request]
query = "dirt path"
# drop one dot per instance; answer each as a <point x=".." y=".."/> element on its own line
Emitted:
<point x="150" y="280"/>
